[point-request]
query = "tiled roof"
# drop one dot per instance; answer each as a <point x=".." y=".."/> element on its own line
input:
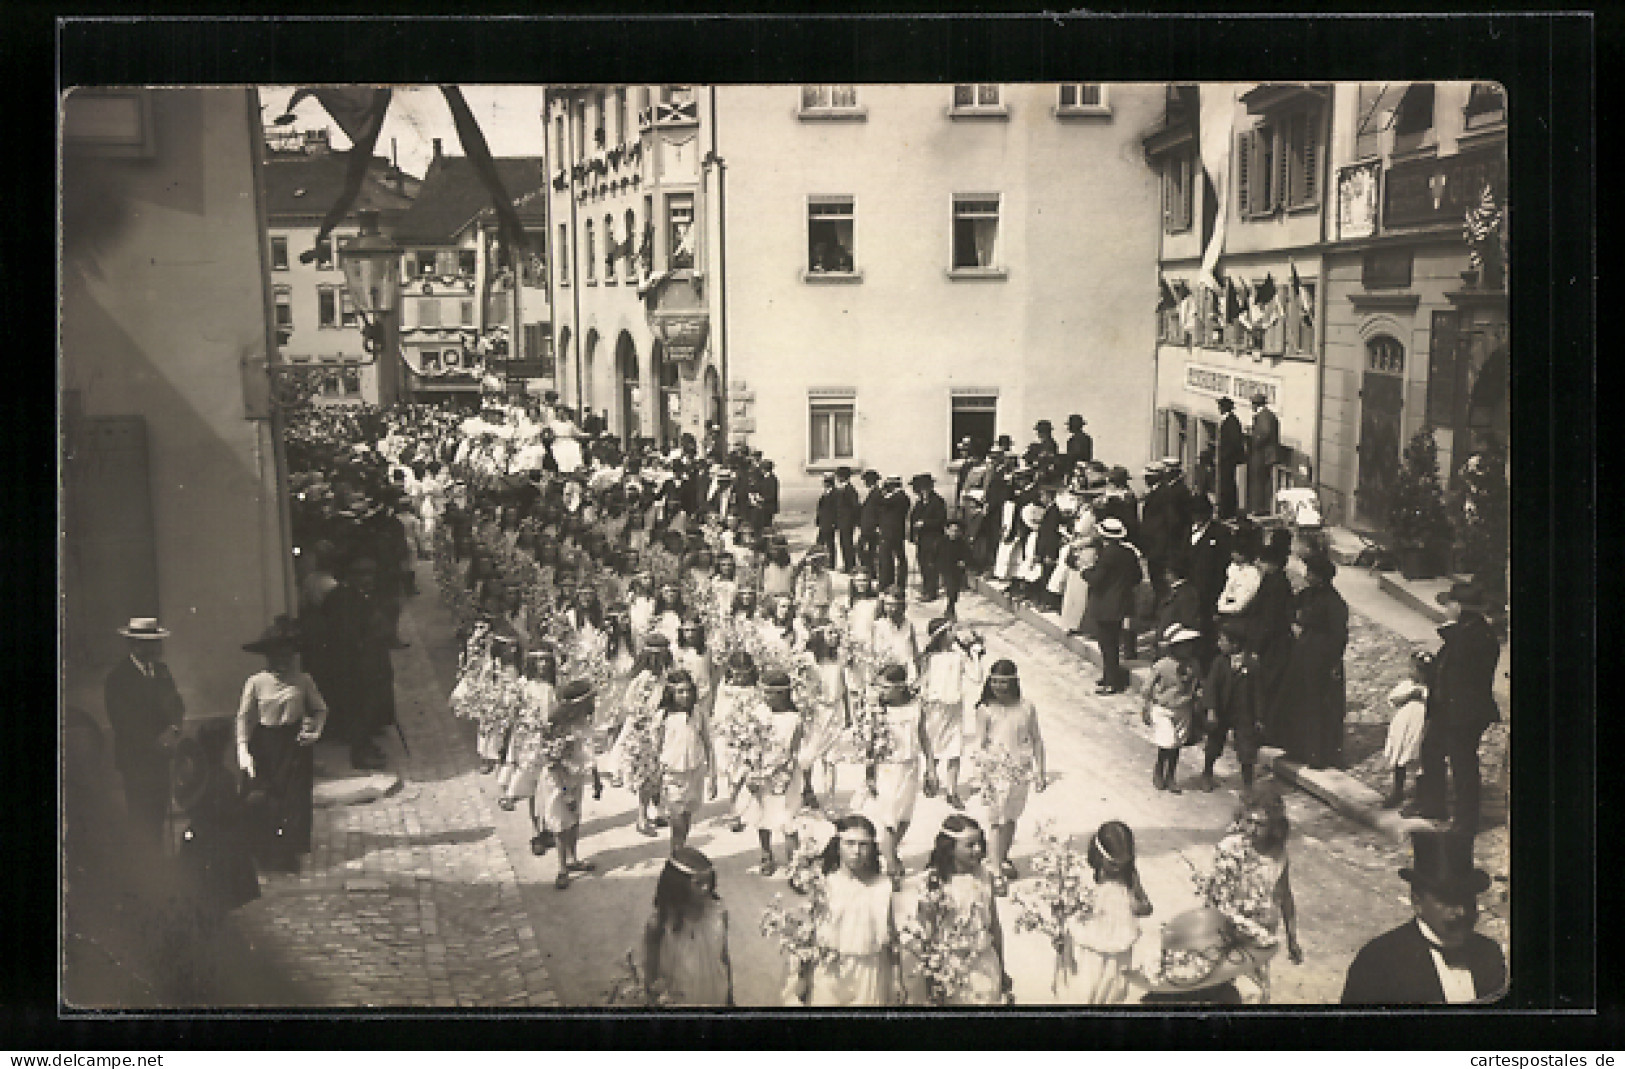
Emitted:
<point x="298" y="186"/>
<point x="453" y="196"/>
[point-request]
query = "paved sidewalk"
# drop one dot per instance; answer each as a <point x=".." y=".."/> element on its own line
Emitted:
<point x="409" y="900"/>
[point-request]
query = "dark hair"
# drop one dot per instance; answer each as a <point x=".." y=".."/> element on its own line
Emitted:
<point x="820" y="645"/>
<point x="941" y="862"/>
<point x="694" y="624"/>
<point x="675" y="678"/>
<point x="551" y="675"/>
<point x="1004" y="668"/>
<point x="1272" y="806"/>
<point x="1114" y="863"/>
<point x="674" y="888"/>
<point x="937" y="635"/>
<point x="832" y="849"/>
<point x="1320" y="566"/>
<point x="740" y="596"/>
<point x="1201" y="507"/>
<point x="662" y="605"/>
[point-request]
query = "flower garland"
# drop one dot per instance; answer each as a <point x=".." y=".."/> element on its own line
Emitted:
<point x="1241" y="885"/>
<point x="749" y="737"/>
<point x="1063" y="892"/>
<point x="944" y="940"/>
<point x="640" y="753"/>
<point x="795" y="929"/>
<point x="1000" y="773"/>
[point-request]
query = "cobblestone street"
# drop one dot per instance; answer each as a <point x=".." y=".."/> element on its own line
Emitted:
<point x="431" y="897"/>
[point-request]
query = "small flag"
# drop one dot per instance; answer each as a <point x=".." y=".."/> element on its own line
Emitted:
<point x="1181" y="291"/>
<point x="1165" y="296"/>
<point x="1232" y="301"/>
<point x="1305" y="302"/>
<point x="1187" y="313"/>
<point x="1269" y="308"/>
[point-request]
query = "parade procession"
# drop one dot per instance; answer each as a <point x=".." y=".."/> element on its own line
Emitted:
<point x="584" y="643"/>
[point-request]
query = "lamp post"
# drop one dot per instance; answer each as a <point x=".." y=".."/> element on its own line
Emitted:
<point x="372" y="270"/>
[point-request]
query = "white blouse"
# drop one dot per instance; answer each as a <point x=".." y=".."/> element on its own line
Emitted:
<point x="274" y="700"/>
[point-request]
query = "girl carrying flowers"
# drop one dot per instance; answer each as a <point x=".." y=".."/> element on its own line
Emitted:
<point x="855" y="925"/>
<point x="953" y="945"/>
<point x="1009" y="739"/>
<point x="687" y="775"/>
<point x="1105" y="940"/>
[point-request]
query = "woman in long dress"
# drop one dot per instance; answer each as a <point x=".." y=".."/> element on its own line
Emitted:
<point x="949" y="686"/>
<point x="1314" y="690"/>
<point x="857" y="926"/>
<point x="280" y="717"/>
<point x="774" y="798"/>
<point x="1078" y="557"/>
<point x="685" y="942"/>
<point x="957" y="869"/>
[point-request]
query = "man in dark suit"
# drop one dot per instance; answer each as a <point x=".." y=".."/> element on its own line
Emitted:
<point x="824" y="517"/>
<point x="1436" y="958"/>
<point x="848" y="513"/>
<point x="1207" y="556"/>
<point x="1157" y="533"/>
<point x="768" y="487"/>
<point x="927" y="521"/>
<point x="363" y="700"/>
<point x="1232" y="454"/>
<point x="1111" y="598"/>
<point x="985" y="539"/>
<point x="869" y="522"/>
<point x="1080" y="448"/>
<point x="1461" y="705"/>
<point x="893" y="534"/>
<point x="1262" y="455"/>
<point x="144" y="710"/>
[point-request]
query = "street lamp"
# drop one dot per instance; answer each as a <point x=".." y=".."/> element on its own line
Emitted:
<point x="372" y="268"/>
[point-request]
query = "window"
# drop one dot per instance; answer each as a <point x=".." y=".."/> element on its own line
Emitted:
<point x="327" y="306"/>
<point x="830" y="423"/>
<point x="589" y="271"/>
<point x="611" y="250"/>
<point x="973" y="416"/>
<point x="564" y="255"/>
<point x="1082" y="98"/>
<point x="1385" y="355"/>
<point x="428" y="312"/>
<point x="1278" y="164"/>
<point x="976" y="96"/>
<point x="578" y="127"/>
<point x="446" y="262"/>
<point x="829" y="235"/>
<point x="348" y="316"/>
<point x="350" y="381"/>
<point x="680" y="231"/>
<point x="466" y="263"/>
<point x="976" y="233"/>
<point x="1178" y="195"/>
<point x="465" y="313"/>
<point x="284" y="307"/>
<point x="324" y="253"/>
<point x="1413" y="120"/>
<point x="420" y="264"/>
<point x="628" y="246"/>
<point x="1486" y="105"/>
<point x="1369" y="122"/>
<point x="330" y="383"/>
<point x="829" y="101"/>
<point x="279" y="254"/>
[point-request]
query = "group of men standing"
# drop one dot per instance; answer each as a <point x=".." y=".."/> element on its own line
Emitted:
<point x="873" y="530"/>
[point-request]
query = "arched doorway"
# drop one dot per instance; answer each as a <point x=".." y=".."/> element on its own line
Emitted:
<point x="626" y="364"/>
<point x="671" y="399"/>
<point x="588" y="352"/>
<point x="1382" y="392"/>
<point x="713" y="397"/>
<point x="563" y="370"/>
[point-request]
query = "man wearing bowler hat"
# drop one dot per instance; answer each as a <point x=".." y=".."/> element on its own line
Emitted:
<point x="893" y="533"/>
<point x="848" y="512"/>
<point x="1460" y="706"/>
<point x="1232" y="453"/>
<point x="144" y="710"/>
<point x="927" y="521"/>
<point x="869" y="521"/>
<point x="1436" y="957"/>
<point x="1263" y="452"/>
<point x="1080" y="448"/>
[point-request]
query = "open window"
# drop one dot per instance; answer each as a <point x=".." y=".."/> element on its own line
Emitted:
<point x="831" y="245"/>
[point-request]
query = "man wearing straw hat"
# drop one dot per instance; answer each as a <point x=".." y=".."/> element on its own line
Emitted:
<point x="1112" y="579"/>
<point x="144" y="710"/>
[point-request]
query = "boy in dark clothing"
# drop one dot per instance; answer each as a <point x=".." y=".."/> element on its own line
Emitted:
<point x="951" y="563"/>
<point x="1230" y="697"/>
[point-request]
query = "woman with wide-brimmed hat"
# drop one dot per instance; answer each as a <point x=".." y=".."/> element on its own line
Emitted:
<point x="279" y="719"/>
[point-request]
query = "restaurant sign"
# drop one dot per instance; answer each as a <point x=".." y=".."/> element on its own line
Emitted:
<point x="682" y="336"/>
<point x="1418" y="192"/>
<point x="1219" y="382"/>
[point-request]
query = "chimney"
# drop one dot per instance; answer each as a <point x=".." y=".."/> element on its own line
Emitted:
<point x="437" y="148"/>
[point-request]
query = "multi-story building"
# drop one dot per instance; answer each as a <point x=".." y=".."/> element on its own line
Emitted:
<point x="318" y="325"/>
<point x="1416" y="329"/>
<point x="1257" y="332"/>
<point x="457" y="298"/>
<point x="873" y="271"/>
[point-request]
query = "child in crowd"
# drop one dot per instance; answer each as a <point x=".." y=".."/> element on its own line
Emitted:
<point x="949" y="684"/>
<point x="687" y="774"/>
<point x="1404" y="746"/>
<point x="564" y="777"/>
<point x="685" y="942"/>
<point x="773" y="797"/>
<point x="858" y="925"/>
<point x="831" y="715"/>
<point x="1170" y="704"/>
<point x="1229" y="700"/>
<point x="1105" y="941"/>
<point x="1008" y="722"/>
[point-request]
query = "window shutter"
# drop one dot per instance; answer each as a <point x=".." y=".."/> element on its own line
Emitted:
<point x="1162" y="431"/>
<point x="1170" y="176"/>
<point x="1311" y="158"/>
<point x="1244" y="150"/>
<point x="1283" y="141"/>
<point x="1187" y="197"/>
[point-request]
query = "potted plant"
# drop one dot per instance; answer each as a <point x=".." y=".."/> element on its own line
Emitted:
<point x="1482" y="516"/>
<point x="1418" y="522"/>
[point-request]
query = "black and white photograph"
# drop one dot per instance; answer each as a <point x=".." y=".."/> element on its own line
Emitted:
<point x="778" y="546"/>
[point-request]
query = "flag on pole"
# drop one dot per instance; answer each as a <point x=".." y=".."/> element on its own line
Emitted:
<point x="1215" y="125"/>
<point x="359" y="111"/>
<point x="1269" y="307"/>
<point x="1187" y="313"/>
<point x="1232" y="301"/>
<point x="1305" y="303"/>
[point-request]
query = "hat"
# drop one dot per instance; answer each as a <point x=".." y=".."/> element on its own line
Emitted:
<point x="924" y="478"/>
<point x="1178" y="633"/>
<point x="894" y="480"/>
<point x="1075" y="420"/>
<point x="1321" y="566"/>
<point x="1259" y="400"/>
<point x="1004" y="669"/>
<point x="777" y="679"/>
<point x="1153" y="469"/>
<point x="143" y="627"/>
<point x="1043" y="425"/>
<point x="282" y="636"/>
<point x="894" y="673"/>
<point x="1467" y="594"/>
<point x="1226" y="404"/>
<point x="1111" y="527"/>
<point x="1443" y="865"/>
<point x="1171" y="463"/>
<point x="829" y="479"/>
<point x="1005" y="441"/>
<point x="1201" y="949"/>
<point x="843" y="472"/>
<point x="871" y="476"/>
<point x="657" y="640"/>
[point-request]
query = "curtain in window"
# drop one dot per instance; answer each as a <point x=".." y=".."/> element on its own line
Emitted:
<point x="843" y="434"/>
<point x="986" y="235"/>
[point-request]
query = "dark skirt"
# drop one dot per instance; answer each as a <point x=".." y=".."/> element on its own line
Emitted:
<point x="215" y="851"/>
<point x="279" y="796"/>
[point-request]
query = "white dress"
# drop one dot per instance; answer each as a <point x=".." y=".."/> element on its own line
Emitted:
<point x="948" y="689"/>
<point x="769" y="810"/>
<point x="1404" y="747"/>
<point x="859" y="928"/>
<point x="1102" y="949"/>
<point x="897" y="779"/>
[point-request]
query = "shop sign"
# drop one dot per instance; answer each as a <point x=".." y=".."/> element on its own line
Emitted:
<point x="1219" y="382"/>
<point x="682" y="336"/>
<point x="1357" y="200"/>
<point x="1416" y="192"/>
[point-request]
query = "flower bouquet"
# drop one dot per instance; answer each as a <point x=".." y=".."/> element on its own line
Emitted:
<point x="640" y="746"/>
<point x="944" y="941"/>
<point x="1241" y="885"/>
<point x="750" y="740"/>
<point x="806" y="868"/>
<point x="1000" y="773"/>
<point x="796" y="931"/>
<point x="870" y="737"/>
<point x="629" y="989"/>
<point x="1063" y="892"/>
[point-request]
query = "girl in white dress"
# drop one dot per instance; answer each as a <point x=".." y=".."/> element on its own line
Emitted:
<point x="949" y="684"/>
<point x="736" y="695"/>
<point x="1008" y="722"/>
<point x="894" y="783"/>
<point x="830" y="716"/>
<point x="957" y="868"/>
<point x="1104" y="943"/>
<point x="1404" y="747"/>
<point x="518" y="775"/>
<point x="687" y="778"/>
<point x="772" y="807"/>
<point x="857" y="925"/>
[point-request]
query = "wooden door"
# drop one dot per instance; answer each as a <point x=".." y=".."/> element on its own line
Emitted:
<point x="1381" y="396"/>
